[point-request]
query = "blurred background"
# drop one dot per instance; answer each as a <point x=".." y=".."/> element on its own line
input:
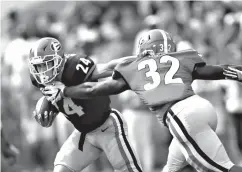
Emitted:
<point x="106" y="30"/>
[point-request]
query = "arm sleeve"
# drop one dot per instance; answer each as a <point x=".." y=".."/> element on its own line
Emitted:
<point x="208" y="72"/>
<point x="123" y="71"/>
<point x="211" y="72"/>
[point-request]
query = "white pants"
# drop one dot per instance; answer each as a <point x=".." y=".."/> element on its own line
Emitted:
<point x="192" y="122"/>
<point x="110" y="138"/>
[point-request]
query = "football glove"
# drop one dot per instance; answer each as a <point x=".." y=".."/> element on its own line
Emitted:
<point x="46" y="119"/>
<point x="54" y="93"/>
<point x="233" y="74"/>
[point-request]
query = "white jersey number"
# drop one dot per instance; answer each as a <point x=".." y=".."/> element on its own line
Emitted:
<point x="71" y="108"/>
<point x="172" y="71"/>
<point x="151" y="73"/>
<point x="86" y="62"/>
<point x="152" y="65"/>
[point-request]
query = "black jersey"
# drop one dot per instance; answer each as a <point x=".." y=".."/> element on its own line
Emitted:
<point x="84" y="114"/>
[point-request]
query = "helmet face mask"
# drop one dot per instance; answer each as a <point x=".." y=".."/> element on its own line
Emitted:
<point x="45" y="71"/>
<point x="46" y="60"/>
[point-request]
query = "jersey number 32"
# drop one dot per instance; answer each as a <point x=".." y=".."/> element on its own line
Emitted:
<point x="156" y="79"/>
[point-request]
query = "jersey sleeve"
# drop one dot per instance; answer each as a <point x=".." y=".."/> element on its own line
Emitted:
<point x="84" y="68"/>
<point x="78" y="69"/>
<point x="192" y="59"/>
<point x="123" y="70"/>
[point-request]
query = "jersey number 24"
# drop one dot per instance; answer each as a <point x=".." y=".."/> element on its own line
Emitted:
<point x="156" y="79"/>
<point x="70" y="108"/>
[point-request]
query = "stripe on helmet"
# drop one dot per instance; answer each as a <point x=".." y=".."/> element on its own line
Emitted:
<point x="35" y="48"/>
<point x="165" y="41"/>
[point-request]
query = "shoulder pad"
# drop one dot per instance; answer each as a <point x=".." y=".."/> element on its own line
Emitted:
<point x="124" y="63"/>
<point x="189" y="52"/>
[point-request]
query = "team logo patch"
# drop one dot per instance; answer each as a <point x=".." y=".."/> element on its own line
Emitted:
<point x="55" y="46"/>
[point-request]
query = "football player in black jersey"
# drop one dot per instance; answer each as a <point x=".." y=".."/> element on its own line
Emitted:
<point x="98" y="127"/>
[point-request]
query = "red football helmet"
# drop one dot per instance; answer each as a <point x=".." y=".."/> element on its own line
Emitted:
<point x="46" y="60"/>
<point x="156" y="40"/>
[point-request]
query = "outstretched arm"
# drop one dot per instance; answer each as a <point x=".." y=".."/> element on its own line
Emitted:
<point x="92" y="89"/>
<point x="58" y="90"/>
<point x="104" y="70"/>
<point x="215" y="72"/>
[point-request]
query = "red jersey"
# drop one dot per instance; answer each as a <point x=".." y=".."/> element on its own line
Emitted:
<point x="84" y="114"/>
<point x="162" y="79"/>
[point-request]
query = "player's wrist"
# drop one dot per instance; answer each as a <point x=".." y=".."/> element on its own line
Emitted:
<point x="63" y="90"/>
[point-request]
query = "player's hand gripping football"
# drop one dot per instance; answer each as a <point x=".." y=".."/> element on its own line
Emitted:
<point x="54" y="92"/>
<point x="46" y="119"/>
<point x="45" y="112"/>
<point x="233" y="73"/>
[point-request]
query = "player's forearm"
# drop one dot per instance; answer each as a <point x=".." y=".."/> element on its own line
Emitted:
<point x="106" y="69"/>
<point x="86" y="90"/>
<point x="82" y="91"/>
<point x="94" y="89"/>
<point x="108" y="87"/>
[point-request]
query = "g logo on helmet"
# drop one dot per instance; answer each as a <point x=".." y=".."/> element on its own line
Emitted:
<point x="141" y="41"/>
<point x="55" y="46"/>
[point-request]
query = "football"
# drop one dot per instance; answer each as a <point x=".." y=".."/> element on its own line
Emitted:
<point x="44" y="105"/>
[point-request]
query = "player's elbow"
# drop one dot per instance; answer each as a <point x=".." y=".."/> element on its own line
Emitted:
<point x="82" y="91"/>
<point x="90" y="92"/>
<point x="95" y="91"/>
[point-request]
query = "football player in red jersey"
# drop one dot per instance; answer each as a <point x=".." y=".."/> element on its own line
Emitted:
<point x="162" y="79"/>
<point x="98" y="127"/>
